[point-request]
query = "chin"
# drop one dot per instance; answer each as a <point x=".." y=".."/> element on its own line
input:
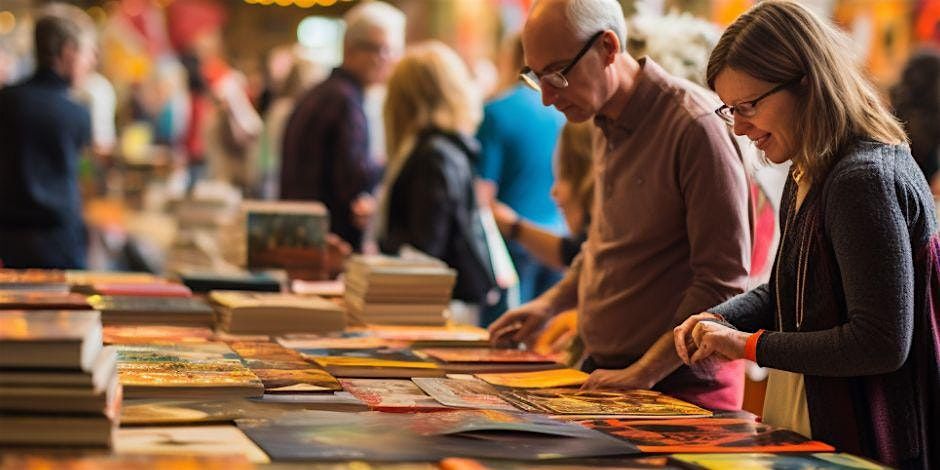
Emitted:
<point x="576" y="116"/>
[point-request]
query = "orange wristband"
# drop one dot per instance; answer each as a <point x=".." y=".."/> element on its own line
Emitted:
<point x="750" y="347"/>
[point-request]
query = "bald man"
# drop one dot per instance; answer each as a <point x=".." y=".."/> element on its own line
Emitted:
<point x="670" y="235"/>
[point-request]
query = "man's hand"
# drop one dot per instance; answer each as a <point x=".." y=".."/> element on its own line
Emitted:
<point x="520" y="325"/>
<point x="631" y="378"/>
<point x="362" y="208"/>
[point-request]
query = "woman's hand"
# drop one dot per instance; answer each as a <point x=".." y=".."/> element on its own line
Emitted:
<point x="698" y="340"/>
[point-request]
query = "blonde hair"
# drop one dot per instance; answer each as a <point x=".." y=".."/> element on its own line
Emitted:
<point x="574" y="160"/>
<point x="778" y="41"/>
<point x="430" y="87"/>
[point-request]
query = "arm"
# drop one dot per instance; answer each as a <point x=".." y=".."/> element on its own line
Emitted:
<point x="873" y="250"/>
<point x="521" y="325"/>
<point x="544" y="245"/>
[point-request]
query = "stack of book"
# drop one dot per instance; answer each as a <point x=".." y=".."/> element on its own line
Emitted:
<point x="268" y="313"/>
<point x="395" y="291"/>
<point x="33" y="280"/>
<point x="58" y="384"/>
<point x="170" y="311"/>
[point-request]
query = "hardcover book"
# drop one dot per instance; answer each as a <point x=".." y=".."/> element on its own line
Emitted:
<point x="276" y="313"/>
<point x="43" y="339"/>
<point x="156" y="334"/>
<point x="706" y="435"/>
<point x="538" y="379"/>
<point x="282" y="369"/>
<point x="187" y="441"/>
<point x="170" y="311"/>
<point x="36" y="280"/>
<point x="287" y="235"/>
<point x="587" y="403"/>
<point x="32" y="300"/>
<point x="30" y="461"/>
<point x="206" y="370"/>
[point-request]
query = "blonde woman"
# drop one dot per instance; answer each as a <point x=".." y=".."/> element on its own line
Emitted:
<point x="431" y="110"/>
<point x="848" y="320"/>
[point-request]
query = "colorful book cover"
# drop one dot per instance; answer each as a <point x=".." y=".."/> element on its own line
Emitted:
<point x="147" y="289"/>
<point x="457" y="393"/>
<point x="33" y="461"/>
<point x="389" y="358"/>
<point x="391" y="395"/>
<point x="15" y="278"/>
<point x="485" y="355"/>
<point x="630" y="403"/>
<point x="155" y="334"/>
<point x="185" y="370"/>
<point x="32" y="300"/>
<point x="538" y="379"/>
<point x="423" y="437"/>
<point x="295" y="341"/>
<point x="289" y="236"/>
<point x="706" y="435"/>
<point x="282" y="369"/>
<point x="762" y="461"/>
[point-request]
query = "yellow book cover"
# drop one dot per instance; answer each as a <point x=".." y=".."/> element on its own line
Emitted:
<point x="538" y="379"/>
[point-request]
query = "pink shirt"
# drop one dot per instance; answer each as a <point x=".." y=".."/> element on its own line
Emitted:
<point x="670" y="234"/>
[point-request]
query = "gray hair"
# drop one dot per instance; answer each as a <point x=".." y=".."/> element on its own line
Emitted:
<point x="366" y="16"/>
<point x="587" y="17"/>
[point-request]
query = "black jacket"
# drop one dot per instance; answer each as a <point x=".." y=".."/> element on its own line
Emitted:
<point x="432" y="207"/>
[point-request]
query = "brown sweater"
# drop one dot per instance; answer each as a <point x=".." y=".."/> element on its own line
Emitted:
<point x="670" y="235"/>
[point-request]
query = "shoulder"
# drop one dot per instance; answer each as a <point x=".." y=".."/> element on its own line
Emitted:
<point x="882" y="175"/>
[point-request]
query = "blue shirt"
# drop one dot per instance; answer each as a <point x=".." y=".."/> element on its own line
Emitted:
<point x="518" y="137"/>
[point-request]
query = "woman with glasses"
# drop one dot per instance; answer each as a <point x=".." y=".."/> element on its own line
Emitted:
<point x="848" y="320"/>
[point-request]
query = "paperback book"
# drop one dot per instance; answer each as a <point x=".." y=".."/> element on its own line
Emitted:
<point x="645" y="404"/>
<point x="283" y="370"/>
<point x="538" y="379"/>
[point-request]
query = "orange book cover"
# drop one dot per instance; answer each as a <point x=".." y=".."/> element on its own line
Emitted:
<point x="485" y="355"/>
<point x="538" y="379"/>
<point x="706" y="435"/>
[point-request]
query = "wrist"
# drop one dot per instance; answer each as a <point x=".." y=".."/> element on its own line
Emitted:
<point x="514" y="228"/>
<point x="750" y="346"/>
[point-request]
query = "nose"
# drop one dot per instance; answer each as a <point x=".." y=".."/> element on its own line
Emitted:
<point x="549" y="94"/>
<point x="554" y="191"/>
<point x="741" y="125"/>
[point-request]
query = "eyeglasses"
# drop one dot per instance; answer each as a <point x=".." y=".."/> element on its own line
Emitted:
<point x="749" y="108"/>
<point x="557" y="78"/>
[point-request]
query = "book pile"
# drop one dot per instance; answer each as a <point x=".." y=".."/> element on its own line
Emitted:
<point x="58" y="384"/>
<point x="33" y="280"/>
<point x="135" y="310"/>
<point x="268" y="313"/>
<point x="394" y="291"/>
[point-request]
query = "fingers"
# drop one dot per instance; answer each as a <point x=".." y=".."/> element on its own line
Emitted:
<point x="705" y="349"/>
<point x="528" y="329"/>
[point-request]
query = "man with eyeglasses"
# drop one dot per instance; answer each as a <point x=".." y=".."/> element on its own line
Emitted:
<point x="326" y="141"/>
<point x="670" y="235"/>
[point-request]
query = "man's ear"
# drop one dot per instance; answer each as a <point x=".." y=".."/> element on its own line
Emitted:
<point x="611" y="44"/>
